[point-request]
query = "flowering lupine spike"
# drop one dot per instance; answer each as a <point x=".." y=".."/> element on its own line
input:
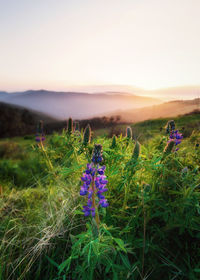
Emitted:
<point x="94" y="185"/>
<point x="87" y="135"/>
<point x="174" y="139"/>
<point x="129" y="132"/>
<point x="170" y="126"/>
<point x="114" y="142"/>
<point x="70" y="126"/>
<point x="136" y="151"/>
<point x="39" y="137"/>
<point x="97" y="154"/>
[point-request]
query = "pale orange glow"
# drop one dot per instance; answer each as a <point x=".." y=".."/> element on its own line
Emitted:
<point x="149" y="44"/>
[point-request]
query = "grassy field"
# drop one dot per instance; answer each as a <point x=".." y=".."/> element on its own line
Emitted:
<point x="150" y="230"/>
<point x="147" y="129"/>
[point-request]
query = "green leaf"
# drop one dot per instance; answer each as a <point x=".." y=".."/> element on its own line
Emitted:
<point x="66" y="263"/>
<point x="52" y="262"/>
<point x="120" y="243"/>
<point x="108" y="267"/>
<point x="125" y="260"/>
<point x="78" y="212"/>
<point x="89" y="253"/>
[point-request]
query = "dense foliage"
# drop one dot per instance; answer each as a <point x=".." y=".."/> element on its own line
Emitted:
<point x="150" y="230"/>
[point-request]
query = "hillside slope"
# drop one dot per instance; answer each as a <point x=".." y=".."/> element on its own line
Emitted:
<point x="165" y="110"/>
<point x="17" y="121"/>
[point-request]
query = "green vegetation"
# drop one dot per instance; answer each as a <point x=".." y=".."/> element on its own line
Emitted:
<point x="18" y="121"/>
<point x="149" y="231"/>
<point x="147" y="129"/>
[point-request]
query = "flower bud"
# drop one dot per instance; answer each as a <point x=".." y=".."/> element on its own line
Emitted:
<point x="87" y="135"/>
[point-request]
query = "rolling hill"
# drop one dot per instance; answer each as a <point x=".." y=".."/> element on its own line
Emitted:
<point x="167" y="109"/>
<point x="18" y="121"/>
<point x="77" y="105"/>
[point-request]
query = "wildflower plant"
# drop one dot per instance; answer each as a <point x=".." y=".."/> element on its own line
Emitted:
<point x="94" y="185"/>
<point x="114" y="142"/>
<point x="175" y="137"/>
<point x="70" y="126"/>
<point x="170" y="126"/>
<point x="129" y="133"/>
<point x="87" y="135"/>
<point x="136" y="151"/>
<point x="39" y="137"/>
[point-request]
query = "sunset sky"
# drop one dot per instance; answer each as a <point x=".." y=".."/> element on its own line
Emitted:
<point x="56" y="44"/>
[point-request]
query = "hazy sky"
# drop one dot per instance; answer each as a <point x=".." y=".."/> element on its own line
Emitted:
<point x="57" y="43"/>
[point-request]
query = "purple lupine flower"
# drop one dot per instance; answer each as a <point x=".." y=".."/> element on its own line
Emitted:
<point x="90" y="192"/>
<point x="176" y="137"/>
<point x="97" y="154"/>
<point x="101" y="170"/>
<point x="83" y="191"/>
<point x="89" y="204"/>
<point x="94" y="184"/>
<point x="87" y="179"/>
<point x="86" y="210"/>
<point x="102" y="180"/>
<point x="103" y="203"/>
<point x="39" y="138"/>
<point x="99" y="194"/>
<point x="93" y="212"/>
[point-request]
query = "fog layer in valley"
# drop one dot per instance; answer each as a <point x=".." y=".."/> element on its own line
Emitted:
<point x="77" y="105"/>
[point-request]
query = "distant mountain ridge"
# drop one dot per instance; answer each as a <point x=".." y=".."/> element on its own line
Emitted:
<point x="79" y="105"/>
<point x="176" y="92"/>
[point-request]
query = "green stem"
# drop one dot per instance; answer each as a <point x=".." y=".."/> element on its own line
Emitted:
<point x="144" y="234"/>
<point x="48" y="160"/>
<point x="94" y="203"/>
